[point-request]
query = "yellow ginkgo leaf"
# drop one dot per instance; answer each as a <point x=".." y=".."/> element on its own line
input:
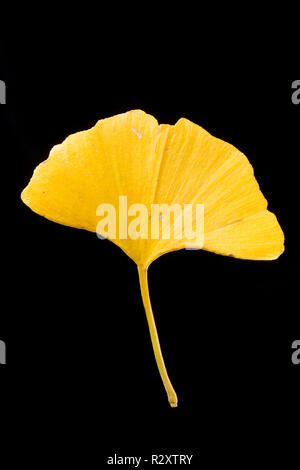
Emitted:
<point x="142" y="177"/>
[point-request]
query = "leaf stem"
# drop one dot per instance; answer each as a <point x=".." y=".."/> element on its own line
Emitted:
<point x="172" y="397"/>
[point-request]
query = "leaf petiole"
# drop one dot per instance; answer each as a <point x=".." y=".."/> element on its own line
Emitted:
<point x="172" y="397"/>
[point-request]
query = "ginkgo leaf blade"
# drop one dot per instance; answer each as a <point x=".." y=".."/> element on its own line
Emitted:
<point x="257" y="237"/>
<point x="131" y="155"/>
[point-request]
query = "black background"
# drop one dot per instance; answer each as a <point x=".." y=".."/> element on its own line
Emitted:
<point x="78" y="349"/>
